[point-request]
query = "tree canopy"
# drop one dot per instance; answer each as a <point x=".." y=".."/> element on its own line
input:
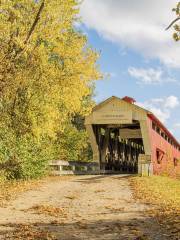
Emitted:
<point x="47" y="74"/>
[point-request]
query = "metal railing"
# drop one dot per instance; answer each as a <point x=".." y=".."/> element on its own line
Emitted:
<point x="60" y="167"/>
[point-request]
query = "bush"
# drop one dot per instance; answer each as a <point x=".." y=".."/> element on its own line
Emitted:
<point x="22" y="157"/>
<point x="26" y="157"/>
<point x="72" y="144"/>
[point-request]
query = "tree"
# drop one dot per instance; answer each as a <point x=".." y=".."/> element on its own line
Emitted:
<point x="174" y="23"/>
<point x="46" y="73"/>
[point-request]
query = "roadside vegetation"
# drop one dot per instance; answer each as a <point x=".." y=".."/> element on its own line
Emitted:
<point x="164" y="194"/>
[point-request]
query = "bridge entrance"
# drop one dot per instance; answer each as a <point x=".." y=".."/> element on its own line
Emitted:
<point x="118" y="131"/>
<point x="119" y="146"/>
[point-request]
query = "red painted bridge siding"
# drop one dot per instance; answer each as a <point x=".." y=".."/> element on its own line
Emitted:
<point x="167" y="164"/>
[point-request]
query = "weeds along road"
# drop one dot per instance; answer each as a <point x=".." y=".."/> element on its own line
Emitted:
<point x="79" y="207"/>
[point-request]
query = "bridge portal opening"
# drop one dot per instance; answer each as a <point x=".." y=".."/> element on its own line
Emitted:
<point x="119" y="146"/>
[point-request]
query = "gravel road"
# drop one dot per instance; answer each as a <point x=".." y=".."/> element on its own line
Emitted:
<point x="81" y="207"/>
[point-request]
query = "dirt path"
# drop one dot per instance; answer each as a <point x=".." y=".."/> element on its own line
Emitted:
<point x="83" y="207"/>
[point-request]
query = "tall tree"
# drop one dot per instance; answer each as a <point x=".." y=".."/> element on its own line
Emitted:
<point x="46" y="73"/>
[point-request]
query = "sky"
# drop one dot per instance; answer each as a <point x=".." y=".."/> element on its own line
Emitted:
<point x="137" y="56"/>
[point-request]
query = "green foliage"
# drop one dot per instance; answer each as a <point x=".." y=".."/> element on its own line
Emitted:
<point x="72" y="144"/>
<point x="22" y="157"/>
<point x="46" y="79"/>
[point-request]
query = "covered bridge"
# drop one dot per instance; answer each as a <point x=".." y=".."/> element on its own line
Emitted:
<point x="127" y="138"/>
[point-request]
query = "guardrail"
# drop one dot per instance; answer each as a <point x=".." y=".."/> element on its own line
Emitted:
<point x="60" y="167"/>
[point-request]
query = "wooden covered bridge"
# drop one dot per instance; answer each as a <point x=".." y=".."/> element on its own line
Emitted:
<point x="126" y="138"/>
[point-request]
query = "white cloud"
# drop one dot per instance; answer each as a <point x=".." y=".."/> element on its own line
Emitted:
<point x="177" y="125"/>
<point x="139" y="25"/>
<point x="161" y="107"/>
<point x="150" y="76"/>
<point x="171" y="102"/>
<point x="146" y="76"/>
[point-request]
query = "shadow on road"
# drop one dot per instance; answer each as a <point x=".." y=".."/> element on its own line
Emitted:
<point x="98" y="178"/>
<point x="82" y="230"/>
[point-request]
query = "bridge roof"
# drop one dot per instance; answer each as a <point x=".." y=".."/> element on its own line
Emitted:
<point x="131" y="101"/>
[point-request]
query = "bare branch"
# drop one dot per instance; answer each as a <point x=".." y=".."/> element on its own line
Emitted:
<point x="35" y="22"/>
<point x="172" y="23"/>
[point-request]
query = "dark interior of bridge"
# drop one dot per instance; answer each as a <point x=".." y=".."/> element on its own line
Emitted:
<point x="119" y="147"/>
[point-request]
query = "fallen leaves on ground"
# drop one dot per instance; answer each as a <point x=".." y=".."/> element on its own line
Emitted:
<point x="10" y="189"/>
<point x="115" y="209"/>
<point x="71" y="197"/>
<point x="164" y="194"/>
<point x="30" y="232"/>
<point x="49" y="210"/>
<point x="99" y="191"/>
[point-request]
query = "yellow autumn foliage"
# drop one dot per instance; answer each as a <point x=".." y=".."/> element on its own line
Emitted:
<point x="163" y="193"/>
<point x="46" y="74"/>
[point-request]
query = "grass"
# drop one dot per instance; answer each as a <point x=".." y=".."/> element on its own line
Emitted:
<point x="164" y="194"/>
